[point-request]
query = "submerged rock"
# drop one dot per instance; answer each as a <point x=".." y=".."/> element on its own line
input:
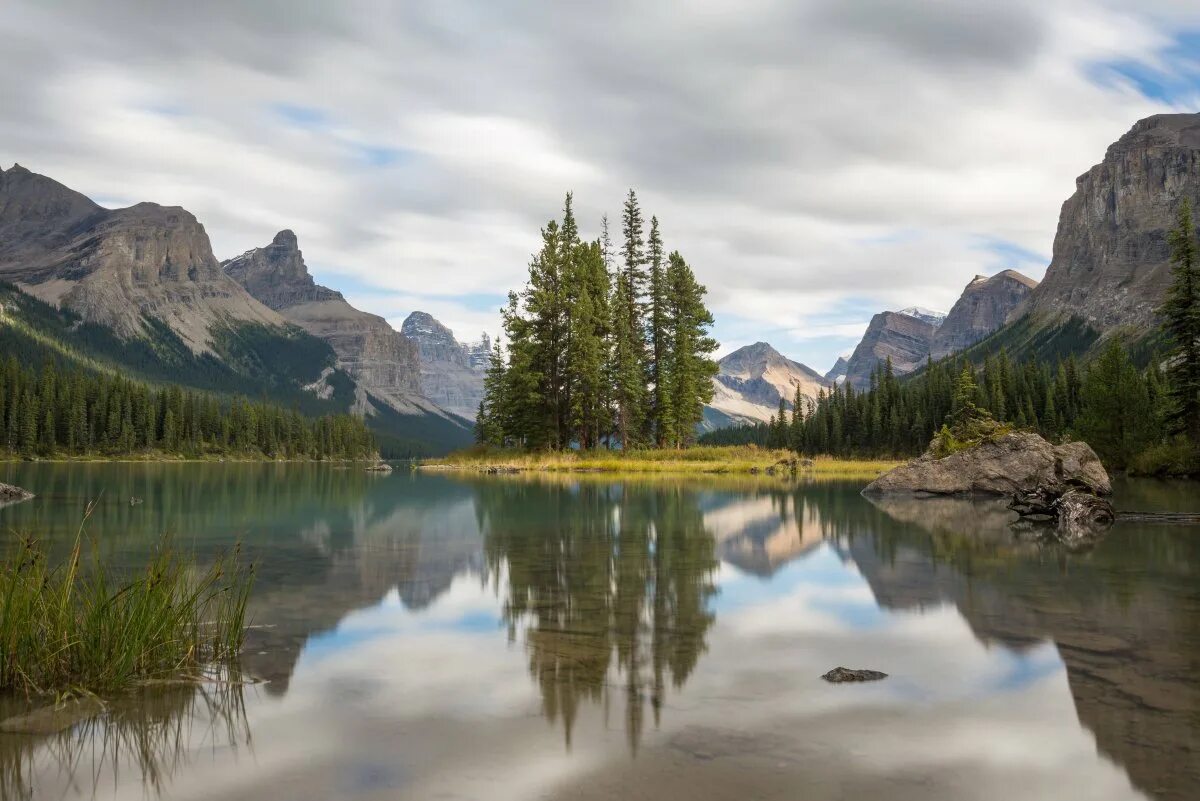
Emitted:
<point x="1012" y="463"/>
<point x="53" y="718"/>
<point x="842" y="674"/>
<point x="11" y="494"/>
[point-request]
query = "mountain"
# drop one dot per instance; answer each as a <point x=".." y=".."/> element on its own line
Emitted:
<point x="983" y="307"/>
<point x="118" y="267"/>
<point x="896" y="335"/>
<point x="139" y="291"/>
<point x="838" y="371"/>
<point x="383" y="362"/>
<point x="451" y="373"/>
<point x="750" y="383"/>
<point x="1111" y="262"/>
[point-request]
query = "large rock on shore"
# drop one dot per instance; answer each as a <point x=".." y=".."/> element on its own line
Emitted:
<point x="1016" y="462"/>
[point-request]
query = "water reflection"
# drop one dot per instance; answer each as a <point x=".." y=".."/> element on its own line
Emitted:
<point x="592" y="574"/>
<point x="412" y="629"/>
<point x="155" y="733"/>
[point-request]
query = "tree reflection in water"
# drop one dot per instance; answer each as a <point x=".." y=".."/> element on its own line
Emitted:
<point x="611" y="588"/>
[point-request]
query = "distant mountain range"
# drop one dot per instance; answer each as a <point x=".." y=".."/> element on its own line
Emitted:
<point x="139" y="290"/>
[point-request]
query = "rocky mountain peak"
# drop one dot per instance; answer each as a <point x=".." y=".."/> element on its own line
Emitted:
<point x="277" y="275"/>
<point x="985" y="304"/>
<point x="752" y="380"/>
<point x="899" y="336"/>
<point x="451" y="372"/>
<point x="1111" y="260"/>
<point x="116" y="267"/>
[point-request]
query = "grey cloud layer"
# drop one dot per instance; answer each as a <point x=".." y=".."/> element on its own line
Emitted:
<point x="773" y="139"/>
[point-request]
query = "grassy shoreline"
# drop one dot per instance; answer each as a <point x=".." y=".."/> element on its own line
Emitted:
<point x="79" y="629"/>
<point x="747" y="460"/>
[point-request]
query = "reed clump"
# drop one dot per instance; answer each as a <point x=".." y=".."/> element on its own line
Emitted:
<point x="84" y="628"/>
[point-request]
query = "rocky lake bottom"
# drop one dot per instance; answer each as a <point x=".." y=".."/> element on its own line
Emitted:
<point x="423" y="636"/>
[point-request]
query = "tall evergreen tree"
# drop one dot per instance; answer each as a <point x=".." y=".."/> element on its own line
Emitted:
<point x="690" y="368"/>
<point x="660" y="414"/>
<point x="1117" y="417"/>
<point x="1181" y="313"/>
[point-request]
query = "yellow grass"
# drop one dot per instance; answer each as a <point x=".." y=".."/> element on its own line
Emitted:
<point x="703" y="460"/>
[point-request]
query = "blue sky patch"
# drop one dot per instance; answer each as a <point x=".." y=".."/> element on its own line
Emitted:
<point x="1177" y="80"/>
<point x="300" y="116"/>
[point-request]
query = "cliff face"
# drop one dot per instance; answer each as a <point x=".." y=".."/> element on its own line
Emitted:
<point x="451" y="373"/>
<point x="114" y="267"/>
<point x="1111" y="263"/>
<point x="752" y="380"/>
<point x="382" y="361"/>
<point x="904" y="339"/>
<point x="983" y="307"/>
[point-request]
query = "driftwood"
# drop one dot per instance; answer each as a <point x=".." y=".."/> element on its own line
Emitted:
<point x="1074" y="517"/>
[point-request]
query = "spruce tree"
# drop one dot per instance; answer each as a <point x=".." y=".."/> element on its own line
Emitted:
<point x="1181" y="313"/>
<point x="660" y="415"/>
<point x="1116" y="417"/>
<point x="690" y="366"/>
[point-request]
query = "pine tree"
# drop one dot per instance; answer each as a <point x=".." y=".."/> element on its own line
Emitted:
<point x="660" y="415"/>
<point x="1117" y="417"/>
<point x="1181" y="313"/>
<point x="690" y="368"/>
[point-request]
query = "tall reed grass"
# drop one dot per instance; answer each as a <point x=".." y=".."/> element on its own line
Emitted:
<point x="82" y="627"/>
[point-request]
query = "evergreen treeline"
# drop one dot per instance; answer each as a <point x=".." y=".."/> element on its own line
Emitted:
<point x="61" y="411"/>
<point x="603" y="348"/>
<point x="1147" y="419"/>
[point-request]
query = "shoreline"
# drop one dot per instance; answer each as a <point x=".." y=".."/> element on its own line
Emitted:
<point x="731" y="461"/>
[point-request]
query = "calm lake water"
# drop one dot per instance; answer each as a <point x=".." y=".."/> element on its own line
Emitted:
<point x="431" y="636"/>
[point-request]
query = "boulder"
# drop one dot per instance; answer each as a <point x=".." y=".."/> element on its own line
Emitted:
<point x="841" y="675"/>
<point x="1010" y="464"/>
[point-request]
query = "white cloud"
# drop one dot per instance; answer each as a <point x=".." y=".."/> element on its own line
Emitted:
<point x="783" y="146"/>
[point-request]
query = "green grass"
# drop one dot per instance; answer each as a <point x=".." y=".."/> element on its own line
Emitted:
<point x="700" y="460"/>
<point x="79" y="628"/>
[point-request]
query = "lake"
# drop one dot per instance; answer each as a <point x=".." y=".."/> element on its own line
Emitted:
<point x="442" y="636"/>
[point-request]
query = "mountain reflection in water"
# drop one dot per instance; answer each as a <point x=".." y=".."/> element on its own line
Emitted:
<point x="589" y="637"/>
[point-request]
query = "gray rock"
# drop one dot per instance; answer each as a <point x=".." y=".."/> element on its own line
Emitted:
<point x="12" y="494"/>
<point x="1016" y="462"/>
<point x="841" y="675"/>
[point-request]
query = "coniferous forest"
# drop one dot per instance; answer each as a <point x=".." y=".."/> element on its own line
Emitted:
<point x="71" y="412"/>
<point x="1141" y="418"/>
<point x="605" y="347"/>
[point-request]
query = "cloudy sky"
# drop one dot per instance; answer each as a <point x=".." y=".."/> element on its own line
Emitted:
<point x="816" y="161"/>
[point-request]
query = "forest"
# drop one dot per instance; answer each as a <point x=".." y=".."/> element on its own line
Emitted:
<point x="604" y="349"/>
<point x="1143" y="419"/>
<point x="63" y="411"/>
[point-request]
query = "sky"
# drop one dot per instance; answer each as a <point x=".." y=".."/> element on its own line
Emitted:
<point x="816" y="161"/>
